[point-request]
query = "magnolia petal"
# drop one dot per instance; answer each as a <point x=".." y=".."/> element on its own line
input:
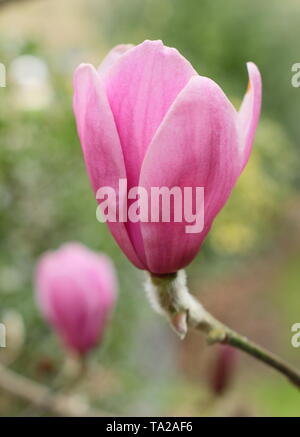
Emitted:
<point x="249" y="112"/>
<point x="112" y="57"/>
<point x="140" y="87"/>
<point x="100" y="143"/>
<point x="195" y="146"/>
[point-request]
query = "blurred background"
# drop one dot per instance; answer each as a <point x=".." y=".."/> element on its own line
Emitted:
<point x="248" y="270"/>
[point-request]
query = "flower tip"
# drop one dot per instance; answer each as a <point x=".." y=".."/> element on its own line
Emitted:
<point x="80" y="72"/>
<point x="253" y="70"/>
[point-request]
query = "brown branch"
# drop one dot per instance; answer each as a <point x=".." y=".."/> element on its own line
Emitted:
<point x="170" y="295"/>
<point x="41" y="397"/>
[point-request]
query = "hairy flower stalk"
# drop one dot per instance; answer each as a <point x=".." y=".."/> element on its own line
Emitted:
<point x="169" y="296"/>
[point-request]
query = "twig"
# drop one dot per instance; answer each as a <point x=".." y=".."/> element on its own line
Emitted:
<point x="37" y="394"/>
<point x="170" y="296"/>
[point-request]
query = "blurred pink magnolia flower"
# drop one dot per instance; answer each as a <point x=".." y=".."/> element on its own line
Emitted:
<point x="76" y="291"/>
<point x="147" y="116"/>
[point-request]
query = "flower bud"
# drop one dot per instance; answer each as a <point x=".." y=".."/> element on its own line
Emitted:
<point x="76" y="291"/>
<point x="223" y="369"/>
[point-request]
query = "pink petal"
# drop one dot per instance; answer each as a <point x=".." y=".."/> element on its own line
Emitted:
<point x="196" y="145"/>
<point x="113" y="56"/>
<point x="100" y="143"/>
<point x="249" y="112"/>
<point x="140" y="87"/>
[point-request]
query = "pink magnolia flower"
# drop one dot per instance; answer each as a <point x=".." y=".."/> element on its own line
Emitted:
<point x="76" y="292"/>
<point x="147" y="116"/>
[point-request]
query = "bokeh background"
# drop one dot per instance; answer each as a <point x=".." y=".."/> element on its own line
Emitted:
<point x="248" y="271"/>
